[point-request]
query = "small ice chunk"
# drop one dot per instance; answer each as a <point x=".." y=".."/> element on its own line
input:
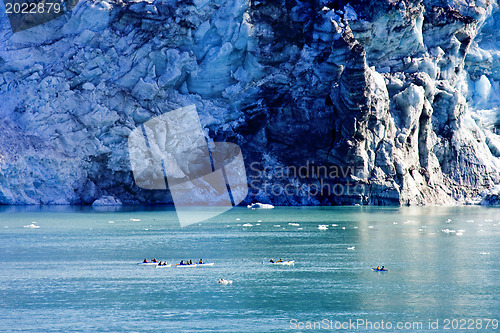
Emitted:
<point x="32" y="226"/>
<point x="225" y="282"/>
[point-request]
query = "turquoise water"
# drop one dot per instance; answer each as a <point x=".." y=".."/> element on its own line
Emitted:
<point x="79" y="272"/>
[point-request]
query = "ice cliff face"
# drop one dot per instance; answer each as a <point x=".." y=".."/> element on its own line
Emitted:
<point x="404" y="93"/>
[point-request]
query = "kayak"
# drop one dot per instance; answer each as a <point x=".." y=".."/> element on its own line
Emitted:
<point x="167" y="265"/>
<point x="379" y="270"/>
<point x="205" y="264"/>
<point x="148" y="264"/>
<point x="192" y="265"/>
<point x="288" y="262"/>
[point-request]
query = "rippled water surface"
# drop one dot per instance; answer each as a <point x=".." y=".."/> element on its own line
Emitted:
<point x="78" y="270"/>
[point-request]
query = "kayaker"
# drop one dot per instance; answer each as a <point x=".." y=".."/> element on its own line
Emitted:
<point x="281" y="260"/>
<point x="382" y="268"/>
<point x="145" y="261"/>
<point x="190" y="262"/>
<point x="378" y="268"/>
<point x="154" y="260"/>
<point x="271" y="261"/>
<point x="182" y="262"/>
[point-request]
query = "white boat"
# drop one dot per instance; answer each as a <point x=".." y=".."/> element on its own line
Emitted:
<point x="283" y="263"/>
<point x="260" y="205"/>
<point x="186" y="265"/>
<point x="205" y="264"/>
<point x="224" y="281"/>
<point x="161" y="266"/>
<point x="323" y="227"/>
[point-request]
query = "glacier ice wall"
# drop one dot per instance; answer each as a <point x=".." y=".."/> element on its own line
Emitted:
<point x="403" y="92"/>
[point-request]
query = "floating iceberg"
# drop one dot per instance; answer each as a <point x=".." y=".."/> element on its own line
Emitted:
<point x="260" y="205"/>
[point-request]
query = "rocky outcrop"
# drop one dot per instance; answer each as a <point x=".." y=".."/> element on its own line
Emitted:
<point x="398" y="101"/>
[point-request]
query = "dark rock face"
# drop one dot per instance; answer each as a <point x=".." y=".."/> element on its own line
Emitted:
<point x="372" y="99"/>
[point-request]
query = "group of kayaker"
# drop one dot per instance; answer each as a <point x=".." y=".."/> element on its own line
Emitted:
<point x="272" y="260"/>
<point x="162" y="263"/>
<point x="154" y="261"/>
<point x="190" y="262"/>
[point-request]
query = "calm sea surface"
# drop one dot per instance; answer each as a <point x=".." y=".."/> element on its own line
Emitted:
<point x="78" y="271"/>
